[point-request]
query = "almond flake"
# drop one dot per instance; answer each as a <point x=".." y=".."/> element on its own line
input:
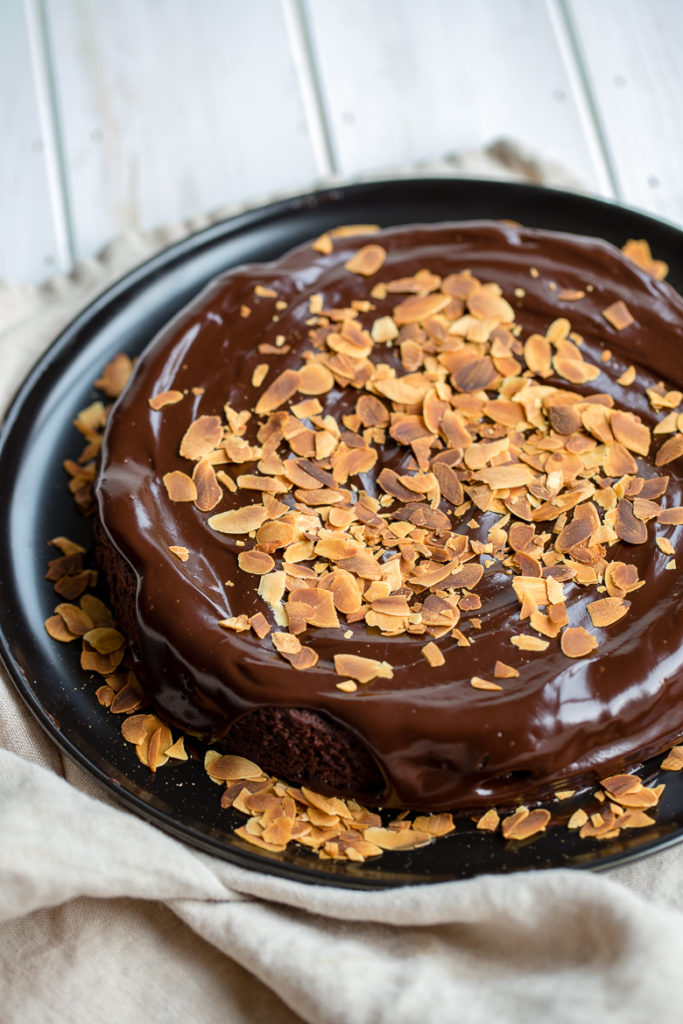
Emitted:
<point x="627" y="527"/>
<point x="388" y="839"/>
<point x="260" y="625"/>
<point x="201" y="437"/>
<point x="529" y="643"/>
<point x="361" y="669"/>
<point x="607" y="610"/>
<point x="367" y="261"/>
<point x="673" y="762"/>
<point x="523" y="823"/>
<point x="419" y="307"/>
<point x="538" y="354"/>
<point x="347" y="686"/>
<point x="671" y="516"/>
<point x="350" y="230"/>
<point x="76" y="620"/>
<point x="115" y="375"/>
<point x="209" y="491"/>
<point x="229" y="767"/>
<point x="256" y="562"/>
<point x="577" y="642"/>
<point x="671" y="449"/>
<point x="104" y="639"/>
<point x="578" y="819"/>
<point x="137" y="728"/>
<point x="158" y="402"/>
<point x="628" y="376"/>
<point x="177" y="750"/>
<point x="259" y="374"/>
<point x="433" y="655"/>
<point x="483" y="684"/>
<point x="271" y="588"/>
<point x="629" y="430"/>
<point x="238" y="623"/>
<point x="57" y="629"/>
<point x="503" y="671"/>
<point x="489" y="821"/>
<point x="179" y="551"/>
<point x="285" y="643"/>
<point x="179" y="486"/>
<point x="485" y="304"/>
<point x="323" y="244"/>
<point x="505" y="477"/>
<point x="618" y="315"/>
<point x="283" y="387"/>
<point x="315" y="379"/>
<point x="638" y="250"/>
<point x="239" y="520"/>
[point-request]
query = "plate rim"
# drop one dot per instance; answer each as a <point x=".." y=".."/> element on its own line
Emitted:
<point x="327" y="198"/>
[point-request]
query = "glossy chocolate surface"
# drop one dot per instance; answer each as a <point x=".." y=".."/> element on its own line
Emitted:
<point x="441" y="743"/>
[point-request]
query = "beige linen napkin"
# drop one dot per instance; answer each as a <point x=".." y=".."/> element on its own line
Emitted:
<point x="105" y="918"/>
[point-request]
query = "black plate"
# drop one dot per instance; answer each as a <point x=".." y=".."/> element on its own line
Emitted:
<point x="37" y="434"/>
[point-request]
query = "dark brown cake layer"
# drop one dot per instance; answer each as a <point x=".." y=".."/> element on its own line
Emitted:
<point x="440" y="742"/>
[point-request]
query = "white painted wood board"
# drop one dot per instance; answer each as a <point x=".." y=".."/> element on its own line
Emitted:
<point x="403" y="82"/>
<point x="31" y="243"/>
<point x="633" y="56"/>
<point x="171" y="109"/>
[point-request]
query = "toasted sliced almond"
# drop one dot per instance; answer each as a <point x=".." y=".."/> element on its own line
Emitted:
<point x="525" y="642"/>
<point x="618" y="315"/>
<point x="179" y="486"/>
<point x="577" y="642"/>
<point x="283" y="387"/>
<point x="607" y="610"/>
<point x="433" y="655"/>
<point x="503" y="671"/>
<point x="203" y="435"/>
<point x="256" y="562"/>
<point x="483" y="684"/>
<point x="524" y="824"/>
<point x="671" y="450"/>
<point x="164" y="398"/>
<point x="434" y="824"/>
<point x="578" y="819"/>
<point x="179" y="551"/>
<point x="367" y="261"/>
<point x="673" y="762"/>
<point x="209" y="491"/>
<point x="627" y="377"/>
<point x="239" y="520"/>
<point x="238" y="623"/>
<point x="230" y="767"/>
<point x="315" y="379"/>
<point x="390" y="839"/>
<point x="361" y="669"/>
<point x="489" y="821"/>
<point x="57" y="629"/>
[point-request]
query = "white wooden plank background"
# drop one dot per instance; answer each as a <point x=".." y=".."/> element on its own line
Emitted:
<point x="405" y="81"/>
<point x="168" y="109"/>
<point x="33" y="239"/>
<point x="124" y="114"/>
<point x="633" y="55"/>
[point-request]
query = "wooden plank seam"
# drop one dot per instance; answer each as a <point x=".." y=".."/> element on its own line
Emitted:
<point x="43" y="77"/>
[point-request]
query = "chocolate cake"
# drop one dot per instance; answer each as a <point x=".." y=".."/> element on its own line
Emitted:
<point x="399" y="515"/>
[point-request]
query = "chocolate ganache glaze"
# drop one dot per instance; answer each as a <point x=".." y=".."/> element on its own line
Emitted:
<point x="440" y="742"/>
